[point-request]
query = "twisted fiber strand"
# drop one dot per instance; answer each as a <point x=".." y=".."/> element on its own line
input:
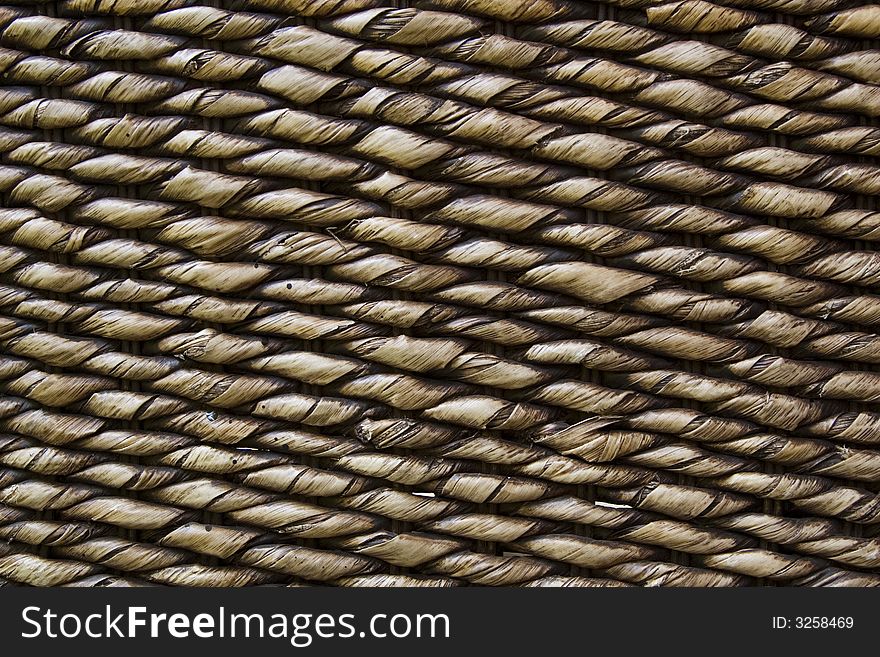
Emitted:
<point x="658" y="50"/>
<point x="496" y="50"/>
<point x="184" y="65"/>
<point x="420" y="554"/>
<point x="740" y="390"/>
<point x="702" y="16"/>
<point x="467" y="421"/>
<point x="684" y="94"/>
<point x="508" y="497"/>
<point x="26" y="154"/>
<point x="863" y="300"/>
<point x="845" y="218"/>
<point x="195" y="53"/>
<point x="381" y="309"/>
<point x="191" y="383"/>
<point x="317" y="375"/>
<point x="475" y="243"/>
<point x="39" y="386"/>
<point x="16" y="256"/>
<point x="557" y="354"/>
<point x="331" y="243"/>
<point x="327" y="240"/>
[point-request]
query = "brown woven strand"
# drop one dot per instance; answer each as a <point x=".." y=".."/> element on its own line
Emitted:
<point x="439" y="293"/>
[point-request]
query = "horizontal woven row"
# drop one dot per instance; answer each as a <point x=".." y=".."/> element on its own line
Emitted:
<point x="439" y="293"/>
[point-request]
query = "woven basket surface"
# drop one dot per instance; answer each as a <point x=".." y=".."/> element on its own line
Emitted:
<point x="439" y="293"/>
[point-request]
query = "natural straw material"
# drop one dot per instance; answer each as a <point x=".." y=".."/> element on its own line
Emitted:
<point x="439" y="293"/>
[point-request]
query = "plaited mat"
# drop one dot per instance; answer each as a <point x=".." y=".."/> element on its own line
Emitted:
<point x="462" y="292"/>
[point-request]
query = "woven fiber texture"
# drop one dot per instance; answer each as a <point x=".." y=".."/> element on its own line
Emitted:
<point x="447" y="293"/>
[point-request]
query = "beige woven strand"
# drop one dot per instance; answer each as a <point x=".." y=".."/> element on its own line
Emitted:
<point x="460" y="293"/>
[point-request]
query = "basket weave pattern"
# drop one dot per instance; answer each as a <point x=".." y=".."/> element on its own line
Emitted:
<point x="460" y="292"/>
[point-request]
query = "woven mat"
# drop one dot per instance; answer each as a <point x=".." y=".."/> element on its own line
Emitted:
<point x="439" y="293"/>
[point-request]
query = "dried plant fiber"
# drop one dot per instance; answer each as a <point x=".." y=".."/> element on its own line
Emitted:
<point x="439" y="293"/>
